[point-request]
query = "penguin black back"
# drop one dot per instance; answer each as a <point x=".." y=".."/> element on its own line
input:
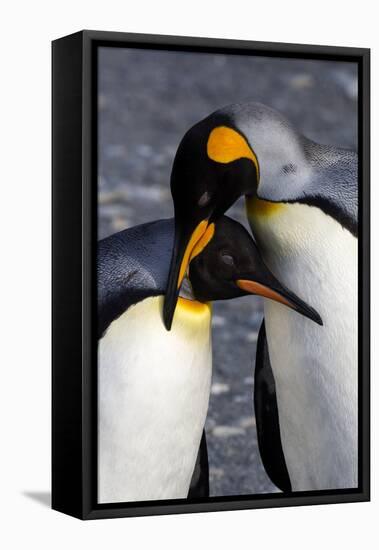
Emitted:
<point x="334" y="186"/>
<point x="131" y="266"/>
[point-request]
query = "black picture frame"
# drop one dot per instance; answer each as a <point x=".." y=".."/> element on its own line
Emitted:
<point x="74" y="205"/>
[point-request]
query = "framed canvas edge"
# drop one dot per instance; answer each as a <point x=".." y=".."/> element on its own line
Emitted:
<point x="91" y="39"/>
<point x="67" y="363"/>
<point x="192" y="42"/>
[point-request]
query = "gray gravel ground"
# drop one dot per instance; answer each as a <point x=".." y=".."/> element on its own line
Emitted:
<point x="147" y="100"/>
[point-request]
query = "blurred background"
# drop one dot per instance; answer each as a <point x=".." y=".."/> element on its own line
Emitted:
<point x="147" y="100"/>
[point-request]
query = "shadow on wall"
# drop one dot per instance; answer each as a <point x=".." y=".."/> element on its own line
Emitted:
<point x="42" y="497"/>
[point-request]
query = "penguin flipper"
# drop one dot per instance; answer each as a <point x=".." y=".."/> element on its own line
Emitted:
<point x="199" y="487"/>
<point x="267" y="417"/>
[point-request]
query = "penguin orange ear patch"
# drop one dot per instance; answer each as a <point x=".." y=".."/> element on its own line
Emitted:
<point x="226" y="145"/>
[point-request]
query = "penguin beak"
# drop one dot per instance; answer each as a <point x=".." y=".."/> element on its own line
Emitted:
<point x="273" y="290"/>
<point x="187" y="245"/>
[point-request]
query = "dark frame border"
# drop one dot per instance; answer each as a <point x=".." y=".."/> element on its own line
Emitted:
<point x="80" y="498"/>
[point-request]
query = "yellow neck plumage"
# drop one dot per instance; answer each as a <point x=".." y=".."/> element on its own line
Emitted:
<point x="260" y="207"/>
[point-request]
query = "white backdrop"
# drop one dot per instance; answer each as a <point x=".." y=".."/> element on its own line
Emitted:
<point x="27" y="29"/>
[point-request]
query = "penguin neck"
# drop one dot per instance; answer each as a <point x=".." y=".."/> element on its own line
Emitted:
<point x="328" y="180"/>
<point x="193" y="308"/>
<point x="188" y="304"/>
<point x="312" y="254"/>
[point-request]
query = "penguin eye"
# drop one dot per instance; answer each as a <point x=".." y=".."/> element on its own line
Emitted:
<point x="227" y="258"/>
<point x="204" y="199"/>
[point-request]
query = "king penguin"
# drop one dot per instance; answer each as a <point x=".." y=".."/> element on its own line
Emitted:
<point x="302" y="205"/>
<point x="154" y="385"/>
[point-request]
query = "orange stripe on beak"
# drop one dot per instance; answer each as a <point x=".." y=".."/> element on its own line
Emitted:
<point x="203" y="241"/>
<point x="195" y="237"/>
<point x="256" y="288"/>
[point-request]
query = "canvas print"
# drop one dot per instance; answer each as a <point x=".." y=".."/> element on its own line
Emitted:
<point x="227" y="275"/>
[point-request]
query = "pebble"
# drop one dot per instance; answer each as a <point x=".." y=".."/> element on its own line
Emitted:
<point x="240" y="399"/>
<point x="119" y="223"/>
<point x="144" y="150"/>
<point x="216" y="472"/>
<point x="111" y="210"/>
<point x="110" y="197"/>
<point x="115" y="151"/>
<point x="247" y="422"/>
<point x="219" y="388"/>
<point x="102" y="101"/>
<point x="302" y="81"/>
<point x="252" y="337"/>
<point x="227" y="431"/>
<point x="348" y="83"/>
<point x="147" y="193"/>
<point x="218" y="321"/>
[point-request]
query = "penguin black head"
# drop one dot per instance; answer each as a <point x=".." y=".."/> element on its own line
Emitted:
<point x="214" y="166"/>
<point x="230" y="266"/>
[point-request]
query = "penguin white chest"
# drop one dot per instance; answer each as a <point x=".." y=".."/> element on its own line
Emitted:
<point x="153" y="392"/>
<point x="315" y="368"/>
